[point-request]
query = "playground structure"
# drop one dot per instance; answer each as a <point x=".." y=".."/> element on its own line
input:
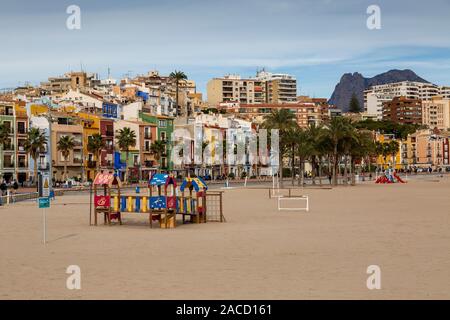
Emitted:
<point x="163" y="203"/>
<point x="390" y="176"/>
<point x="102" y="202"/>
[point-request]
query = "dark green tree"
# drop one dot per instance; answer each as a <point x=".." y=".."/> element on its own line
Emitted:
<point x="354" y="104"/>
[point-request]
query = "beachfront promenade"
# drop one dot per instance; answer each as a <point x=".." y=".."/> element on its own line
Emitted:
<point x="260" y="253"/>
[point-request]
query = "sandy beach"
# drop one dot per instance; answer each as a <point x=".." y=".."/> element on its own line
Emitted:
<point x="259" y="253"/>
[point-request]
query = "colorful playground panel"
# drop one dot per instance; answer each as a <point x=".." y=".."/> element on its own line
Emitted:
<point x="162" y="205"/>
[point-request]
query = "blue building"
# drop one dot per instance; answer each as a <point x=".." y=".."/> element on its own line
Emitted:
<point x="110" y="110"/>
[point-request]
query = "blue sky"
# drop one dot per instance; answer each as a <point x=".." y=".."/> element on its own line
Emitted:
<point x="316" y="40"/>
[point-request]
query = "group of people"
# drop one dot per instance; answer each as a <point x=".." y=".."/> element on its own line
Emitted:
<point x="4" y="186"/>
<point x="13" y="186"/>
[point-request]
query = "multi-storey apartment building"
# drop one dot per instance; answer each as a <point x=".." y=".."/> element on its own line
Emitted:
<point x="279" y="88"/>
<point x="427" y="148"/>
<point x="8" y="150"/>
<point x="57" y="86"/>
<point x="390" y="161"/>
<point x="165" y="127"/>
<point x="375" y="96"/>
<point x="65" y="125"/>
<point x="21" y="134"/>
<point x="107" y="154"/>
<point x="306" y="113"/>
<point x="436" y="113"/>
<point x="141" y="161"/>
<point x="44" y="156"/>
<point x="403" y="110"/>
<point x="264" y="88"/>
<point x="233" y="88"/>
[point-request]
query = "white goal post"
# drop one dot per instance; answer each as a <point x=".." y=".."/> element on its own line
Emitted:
<point x="303" y="199"/>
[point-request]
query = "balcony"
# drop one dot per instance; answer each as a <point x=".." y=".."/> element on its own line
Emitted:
<point x="148" y="136"/>
<point x="109" y="133"/>
<point x="8" y="165"/>
<point x="8" y="147"/>
<point x="77" y="161"/>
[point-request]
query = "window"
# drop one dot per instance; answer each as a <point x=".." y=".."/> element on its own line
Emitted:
<point x="163" y="136"/>
<point x="162" y="123"/>
<point x="21" y="127"/>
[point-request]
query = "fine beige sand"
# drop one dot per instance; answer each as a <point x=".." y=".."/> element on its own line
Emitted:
<point x="259" y="253"/>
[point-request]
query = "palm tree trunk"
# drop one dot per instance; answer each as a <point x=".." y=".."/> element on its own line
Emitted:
<point x="345" y="169"/>
<point x="98" y="165"/>
<point x="126" y="165"/>
<point x="35" y="178"/>
<point x="293" y="165"/>
<point x="281" y="171"/>
<point x="320" y="171"/>
<point x="65" y="169"/>
<point x="335" y="166"/>
<point x="352" y="171"/>
<point x="313" y="169"/>
<point x="301" y="181"/>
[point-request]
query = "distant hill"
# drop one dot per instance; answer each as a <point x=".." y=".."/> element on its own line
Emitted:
<point x="356" y="83"/>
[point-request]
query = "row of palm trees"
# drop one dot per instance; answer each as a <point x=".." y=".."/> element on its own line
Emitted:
<point x="36" y="142"/>
<point x="329" y="146"/>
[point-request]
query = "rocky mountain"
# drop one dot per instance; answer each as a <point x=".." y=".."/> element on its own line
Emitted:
<point x="357" y="83"/>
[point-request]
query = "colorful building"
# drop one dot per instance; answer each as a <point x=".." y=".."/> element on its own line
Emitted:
<point x="164" y="132"/>
<point x="91" y="126"/>
<point x="8" y="150"/>
<point x="389" y="161"/>
<point x="65" y="125"/>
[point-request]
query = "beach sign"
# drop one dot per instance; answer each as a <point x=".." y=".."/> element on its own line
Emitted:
<point x="46" y="185"/>
<point x="44" y="202"/>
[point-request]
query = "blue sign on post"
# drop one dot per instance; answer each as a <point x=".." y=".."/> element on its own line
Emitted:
<point x="44" y="203"/>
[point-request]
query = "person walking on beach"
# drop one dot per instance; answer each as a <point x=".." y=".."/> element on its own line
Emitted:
<point x="3" y="188"/>
<point x="329" y="178"/>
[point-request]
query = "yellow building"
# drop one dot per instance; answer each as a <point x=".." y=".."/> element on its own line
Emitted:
<point x="91" y="126"/>
<point x="386" y="162"/>
<point x="37" y="109"/>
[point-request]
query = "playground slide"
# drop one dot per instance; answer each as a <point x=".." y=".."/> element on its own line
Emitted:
<point x="398" y="178"/>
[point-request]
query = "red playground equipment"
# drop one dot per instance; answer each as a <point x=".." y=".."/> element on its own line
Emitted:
<point x="389" y="177"/>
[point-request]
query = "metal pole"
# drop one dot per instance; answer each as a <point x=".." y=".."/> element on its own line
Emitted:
<point x="45" y="227"/>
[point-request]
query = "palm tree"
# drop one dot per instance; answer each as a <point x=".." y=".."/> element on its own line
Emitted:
<point x="4" y="134"/>
<point x="292" y="141"/>
<point x="178" y="76"/>
<point x="126" y="139"/>
<point x="337" y="129"/>
<point x="362" y="146"/>
<point x="35" y="142"/>
<point x="347" y="143"/>
<point x="65" y="145"/>
<point x="304" y="151"/>
<point x="379" y="150"/>
<point x="95" y="145"/>
<point x="158" y="148"/>
<point x="393" y="148"/>
<point x="315" y="134"/>
<point x="283" y="120"/>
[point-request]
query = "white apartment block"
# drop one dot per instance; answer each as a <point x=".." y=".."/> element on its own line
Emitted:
<point x="376" y="95"/>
